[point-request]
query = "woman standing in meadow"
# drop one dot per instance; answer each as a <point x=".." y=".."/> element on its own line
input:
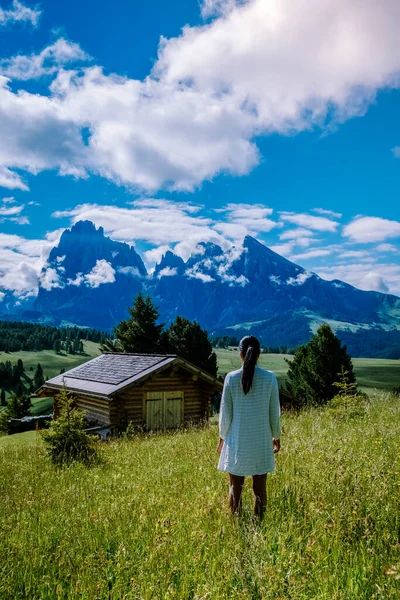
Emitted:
<point x="249" y="426"/>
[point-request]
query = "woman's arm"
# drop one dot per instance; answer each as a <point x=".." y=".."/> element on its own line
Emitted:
<point x="275" y="414"/>
<point x="226" y="410"/>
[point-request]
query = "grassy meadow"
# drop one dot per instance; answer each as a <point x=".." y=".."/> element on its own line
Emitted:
<point x="151" y="522"/>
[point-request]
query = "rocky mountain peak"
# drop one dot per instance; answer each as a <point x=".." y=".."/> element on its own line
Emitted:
<point x="86" y="228"/>
<point x="172" y="262"/>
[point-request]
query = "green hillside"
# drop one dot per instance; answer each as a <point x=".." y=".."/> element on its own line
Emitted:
<point x="50" y="361"/>
<point x="151" y="521"/>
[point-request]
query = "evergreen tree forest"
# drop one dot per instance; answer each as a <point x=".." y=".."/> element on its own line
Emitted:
<point x="15" y="380"/>
<point x="16" y="336"/>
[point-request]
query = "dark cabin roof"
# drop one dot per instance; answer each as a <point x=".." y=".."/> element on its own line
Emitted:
<point x="109" y="373"/>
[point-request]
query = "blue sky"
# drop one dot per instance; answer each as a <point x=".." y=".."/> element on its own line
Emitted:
<point x="170" y="124"/>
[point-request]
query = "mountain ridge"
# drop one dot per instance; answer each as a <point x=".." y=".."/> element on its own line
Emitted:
<point x="91" y="280"/>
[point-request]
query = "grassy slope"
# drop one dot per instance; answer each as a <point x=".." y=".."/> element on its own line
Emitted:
<point x="371" y="373"/>
<point x="19" y="439"/>
<point x="151" y="521"/>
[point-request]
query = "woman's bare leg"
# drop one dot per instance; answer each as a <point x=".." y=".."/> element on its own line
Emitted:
<point x="260" y="493"/>
<point x="236" y="483"/>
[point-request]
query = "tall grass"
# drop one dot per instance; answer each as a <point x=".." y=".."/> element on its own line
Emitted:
<point x="151" y="521"/>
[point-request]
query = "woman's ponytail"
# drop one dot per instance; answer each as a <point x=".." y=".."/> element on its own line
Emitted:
<point x="250" y="351"/>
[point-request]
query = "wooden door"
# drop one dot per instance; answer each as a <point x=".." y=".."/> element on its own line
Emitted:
<point x="164" y="410"/>
<point x="173" y="409"/>
<point x="155" y="410"/>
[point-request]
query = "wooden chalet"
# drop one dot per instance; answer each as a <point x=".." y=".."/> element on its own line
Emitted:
<point x="148" y="390"/>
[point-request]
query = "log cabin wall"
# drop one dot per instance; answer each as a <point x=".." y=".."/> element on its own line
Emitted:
<point x="95" y="409"/>
<point x="130" y="404"/>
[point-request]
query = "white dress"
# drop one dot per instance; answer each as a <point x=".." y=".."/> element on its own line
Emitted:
<point x="248" y="422"/>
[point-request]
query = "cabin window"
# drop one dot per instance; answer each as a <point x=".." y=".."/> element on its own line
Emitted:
<point x="164" y="410"/>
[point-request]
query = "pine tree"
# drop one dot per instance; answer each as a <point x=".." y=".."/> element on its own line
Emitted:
<point x="20" y="366"/>
<point x="20" y="389"/>
<point x="3" y="398"/>
<point x="57" y="346"/>
<point x="38" y="377"/>
<point x="139" y="333"/>
<point x="316" y="367"/>
<point x="18" y="406"/>
<point x="76" y="344"/>
<point x="189" y="341"/>
<point x="66" y="440"/>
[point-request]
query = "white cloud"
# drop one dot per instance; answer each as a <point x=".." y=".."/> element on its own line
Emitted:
<point x="19" y="13"/>
<point x="2" y="295"/>
<point x="131" y="271"/>
<point x="246" y="211"/>
<point x="235" y="231"/>
<point x="101" y="273"/>
<point x="22" y="260"/>
<point x="50" y="278"/>
<point x="186" y="207"/>
<point x="167" y="272"/>
<point x="161" y="223"/>
<point x="328" y="213"/>
<point x="155" y="254"/>
<point x="293" y="234"/>
<point x="374" y="281"/>
<point x="21" y="279"/>
<point x="243" y="219"/>
<point x="311" y="254"/>
<point x="310" y="221"/>
<point x="299" y="237"/>
<point x="300" y="279"/>
<point x="387" y="248"/>
<point x="371" y="229"/>
<point x="275" y="279"/>
<point x="199" y="111"/>
<point x="47" y="62"/>
<point x="376" y="277"/>
<point x="211" y="8"/>
<point x="355" y="254"/>
<point x="199" y="275"/>
<point x="396" y="151"/>
<point x="271" y="70"/>
<point x="79" y="279"/>
<point x="283" y="249"/>
<point x="10" y="179"/>
<point x="9" y="200"/>
<point x="14" y="210"/>
<point x="20" y="220"/>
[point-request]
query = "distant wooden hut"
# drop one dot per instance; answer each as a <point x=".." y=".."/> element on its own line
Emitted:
<point x="148" y="390"/>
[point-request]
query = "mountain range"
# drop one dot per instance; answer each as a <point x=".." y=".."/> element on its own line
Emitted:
<point x="91" y="280"/>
